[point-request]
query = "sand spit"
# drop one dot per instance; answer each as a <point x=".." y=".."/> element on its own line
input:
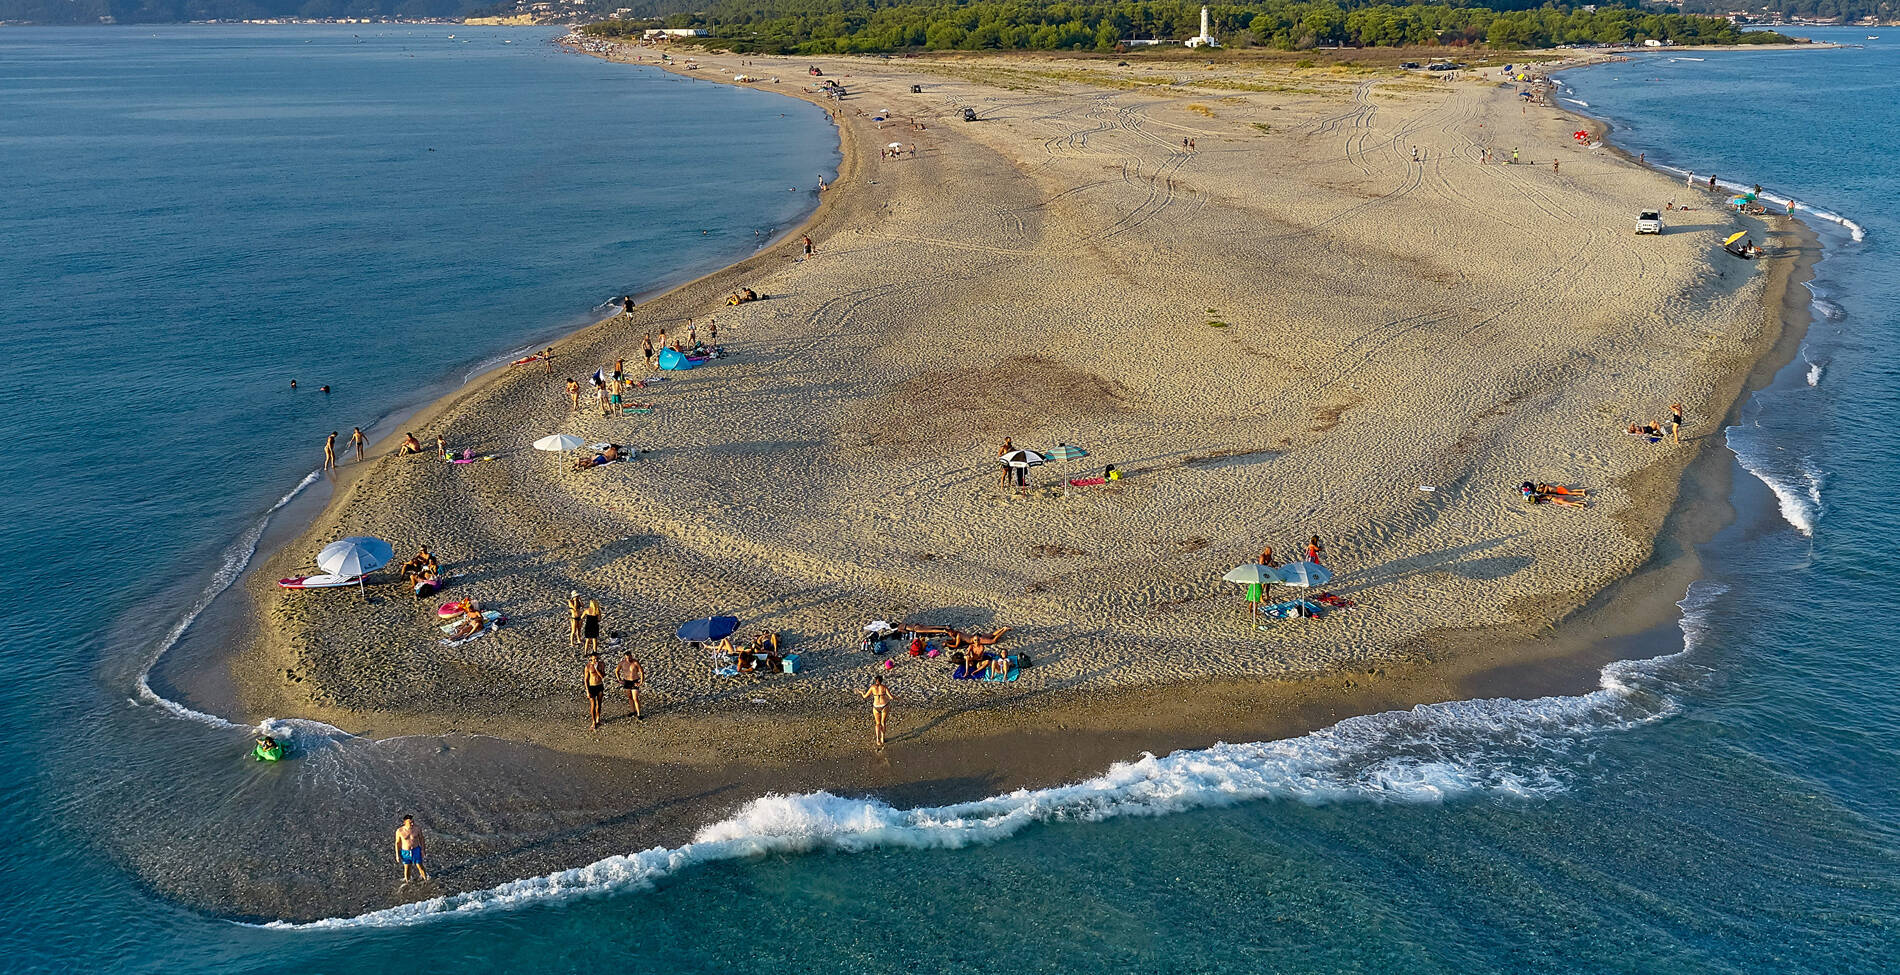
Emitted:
<point x="1287" y="329"/>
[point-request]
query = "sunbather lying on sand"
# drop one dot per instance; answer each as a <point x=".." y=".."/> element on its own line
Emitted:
<point x="1537" y="494"/>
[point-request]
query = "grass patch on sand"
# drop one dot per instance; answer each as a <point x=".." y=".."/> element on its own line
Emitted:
<point x="1200" y="109"/>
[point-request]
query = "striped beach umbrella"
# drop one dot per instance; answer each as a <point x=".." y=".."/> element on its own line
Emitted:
<point x="1064" y="451"/>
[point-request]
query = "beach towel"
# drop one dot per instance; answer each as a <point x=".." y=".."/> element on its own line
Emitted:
<point x="1293" y="609"/>
<point x="1087" y="481"/>
<point x="478" y="634"/>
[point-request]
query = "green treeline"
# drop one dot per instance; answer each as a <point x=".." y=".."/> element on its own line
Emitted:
<point x="870" y="26"/>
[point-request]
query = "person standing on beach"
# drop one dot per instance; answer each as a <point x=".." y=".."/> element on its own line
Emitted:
<point x="590" y="627"/>
<point x="358" y="442"/>
<point x="620" y="368"/>
<point x="574" y="618"/>
<point x="692" y="334"/>
<point x="329" y="452"/>
<point x="712" y="330"/>
<point x="1675" y="422"/>
<point x="647" y="347"/>
<point x="410" y="848"/>
<point x="573" y="396"/>
<point x="442" y="446"/>
<point x="1004" y="452"/>
<point x="1711" y="182"/>
<point x="631" y="675"/>
<point x="626" y="304"/>
<point x="662" y="338"/>
<point x="596" y="686"/>
<point x="1554" y="163"/>
<point x="1513" y="155"/>
<point x="1314" y="550"/>
<point x="881" y="699"/>
<point x="547" y="359"/>
<point x="1266" y="559"/>
<point x="807" y="245"/>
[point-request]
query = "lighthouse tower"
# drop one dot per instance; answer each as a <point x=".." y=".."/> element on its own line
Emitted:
<point x="1207" y="36"/>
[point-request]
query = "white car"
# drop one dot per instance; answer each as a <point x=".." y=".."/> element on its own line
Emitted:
<point x="1649" y="222"/>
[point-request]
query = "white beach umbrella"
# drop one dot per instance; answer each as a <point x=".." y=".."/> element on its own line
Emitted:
<point x="1252" y="574"/>
<point x="355" y="555"/>
<point x="559" y="442"/>
<point x="1022" y="458"/>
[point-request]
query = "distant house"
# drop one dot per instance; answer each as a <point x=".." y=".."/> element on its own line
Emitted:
<point x="1144" y="42"/>
<point x="660" y="32"/>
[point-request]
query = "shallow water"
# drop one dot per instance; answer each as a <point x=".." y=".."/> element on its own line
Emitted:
<point x="1727" y="809"/>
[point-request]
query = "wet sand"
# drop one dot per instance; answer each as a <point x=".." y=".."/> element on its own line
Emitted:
<point x="1284" y="330"/>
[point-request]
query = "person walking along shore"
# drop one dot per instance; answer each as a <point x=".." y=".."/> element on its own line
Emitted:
<point x="329" y="452"/>
<point x="881" y="699"/>
<point x="596" y="683"/>
<point x="631" y="676"/>
<point x="410" y="847"/>
<point x="358" y="442"/>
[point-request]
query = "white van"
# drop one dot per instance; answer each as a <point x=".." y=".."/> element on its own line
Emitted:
<point x="1649" y="222"/>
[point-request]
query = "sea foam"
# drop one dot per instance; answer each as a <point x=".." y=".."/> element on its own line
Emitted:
<point x="1511" y="748"/>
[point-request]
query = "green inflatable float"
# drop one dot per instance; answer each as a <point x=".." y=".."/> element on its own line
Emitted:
<point x="268" y="750"/>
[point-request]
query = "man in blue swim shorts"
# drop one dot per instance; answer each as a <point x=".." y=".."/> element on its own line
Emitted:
<point x="409" y="848"/>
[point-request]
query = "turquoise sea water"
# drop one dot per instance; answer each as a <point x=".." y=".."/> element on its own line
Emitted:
<point x="1729" y="808"/>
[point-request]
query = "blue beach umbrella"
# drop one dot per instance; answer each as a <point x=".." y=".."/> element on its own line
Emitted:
<point x="1303" y="575"/>
<point x="709" y="629"/>
<point x="1064" y="452"/>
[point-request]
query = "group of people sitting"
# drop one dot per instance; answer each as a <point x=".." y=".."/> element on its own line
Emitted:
<point x="742" y="296"/>
<point x="422" y="572"/>
<point x="1537" y="493"/>
<point x="612" y="452"/>
<point x="761" y="656"/>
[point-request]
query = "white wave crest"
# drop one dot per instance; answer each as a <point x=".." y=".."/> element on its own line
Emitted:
<point x="1796" y="483"/>
<point x="1427" y="754"/>
<point x="235" y="559"/>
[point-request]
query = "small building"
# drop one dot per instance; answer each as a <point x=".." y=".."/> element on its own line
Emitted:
<point x="659" y="32"/>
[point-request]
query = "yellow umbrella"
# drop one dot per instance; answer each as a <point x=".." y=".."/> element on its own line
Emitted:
<point x="1732" y="238"/>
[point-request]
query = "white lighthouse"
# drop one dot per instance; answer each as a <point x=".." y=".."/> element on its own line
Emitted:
<point x="1207" y="36"/>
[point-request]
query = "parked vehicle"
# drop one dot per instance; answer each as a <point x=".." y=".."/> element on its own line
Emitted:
<point x="1649" y="222"/>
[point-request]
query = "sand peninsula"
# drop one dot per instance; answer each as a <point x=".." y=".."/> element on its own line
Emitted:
<point x="1282" y="300"/>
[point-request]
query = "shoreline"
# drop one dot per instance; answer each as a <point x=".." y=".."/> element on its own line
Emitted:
<point x="1438" y="665"/>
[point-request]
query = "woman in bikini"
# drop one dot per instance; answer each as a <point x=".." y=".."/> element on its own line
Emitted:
<point x="574" y="618"/>
<point x="881" y="699"/>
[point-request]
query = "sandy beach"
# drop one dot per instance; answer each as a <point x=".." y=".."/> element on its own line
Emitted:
<point x="1327" y="315"/>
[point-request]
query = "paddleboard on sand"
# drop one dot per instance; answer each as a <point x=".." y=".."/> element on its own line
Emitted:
<point x="318" y="582"/>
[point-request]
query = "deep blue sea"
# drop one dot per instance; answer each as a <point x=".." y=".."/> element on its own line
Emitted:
<point x="193" y="216"/>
